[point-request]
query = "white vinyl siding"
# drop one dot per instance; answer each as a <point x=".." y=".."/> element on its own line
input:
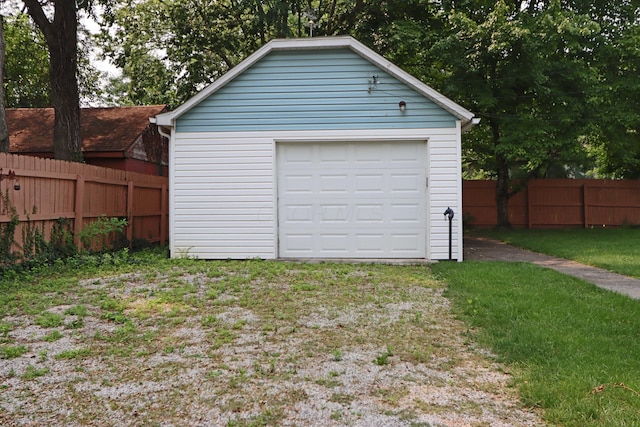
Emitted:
<point x="224" y="189"/>
<point x="445" y="190"/>
<point x="222" y="197"/>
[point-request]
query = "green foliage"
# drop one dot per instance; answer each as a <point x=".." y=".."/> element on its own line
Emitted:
<point x="61" y="241"/>
<point x="7" y="232"/>
<point x="33" y="241"/>
<point x="99" y="230"/>
<point x="383" y="359"/>
<point x="570" y="345"/>
<point x="26" y="64"/>
<point x="524" y="72"/>
<point x="35" y="250"/>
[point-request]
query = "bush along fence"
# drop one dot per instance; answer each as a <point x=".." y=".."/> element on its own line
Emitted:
<point x="66" y="203"/>
<point x="557" y="203"/>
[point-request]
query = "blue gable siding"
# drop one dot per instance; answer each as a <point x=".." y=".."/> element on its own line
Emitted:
<point x="313" y="90"/>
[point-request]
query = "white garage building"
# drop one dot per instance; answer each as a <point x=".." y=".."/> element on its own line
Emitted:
<point x="315" y="148"/>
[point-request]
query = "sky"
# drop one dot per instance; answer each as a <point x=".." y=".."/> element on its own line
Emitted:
<point x="102" y="65"/>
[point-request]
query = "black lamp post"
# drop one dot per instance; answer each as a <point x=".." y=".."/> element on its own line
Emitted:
<point x="449" y="213"/>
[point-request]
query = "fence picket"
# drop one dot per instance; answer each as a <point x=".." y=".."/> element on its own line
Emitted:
<point x="557" y="203"/>
<point x="82" y="193"/>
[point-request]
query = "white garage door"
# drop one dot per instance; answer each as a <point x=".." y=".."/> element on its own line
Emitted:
<point x="352" y="200"/>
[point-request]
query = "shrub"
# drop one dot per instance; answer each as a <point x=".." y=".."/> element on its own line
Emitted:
<point x="96" y="232"/>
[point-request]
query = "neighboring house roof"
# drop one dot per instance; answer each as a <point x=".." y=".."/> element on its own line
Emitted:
<point x="109" y="129"/>
<point x="465" y="116"/>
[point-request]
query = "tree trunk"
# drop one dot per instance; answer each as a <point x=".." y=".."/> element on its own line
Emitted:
<point x="62" y="42"/>
<point x="4" y="131"/>
<point x="502" y="193"/>
<point x="502" y="185"/>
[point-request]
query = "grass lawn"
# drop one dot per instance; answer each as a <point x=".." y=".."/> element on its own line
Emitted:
<point x="614" y="249"/>
<point x="573" y="347"/>
<point x="151" y="341"/>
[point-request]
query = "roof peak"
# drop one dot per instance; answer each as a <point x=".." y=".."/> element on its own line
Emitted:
<point x="464" y="115"/>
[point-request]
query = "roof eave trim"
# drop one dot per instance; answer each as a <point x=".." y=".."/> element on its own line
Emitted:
<point x="469" y="124"/>
<point x="168" y="119"/>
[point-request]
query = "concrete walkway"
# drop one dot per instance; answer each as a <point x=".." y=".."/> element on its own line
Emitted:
<point x="483" y="249"/>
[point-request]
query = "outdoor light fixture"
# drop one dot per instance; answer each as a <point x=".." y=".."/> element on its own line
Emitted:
<point x="373" y="83"/>
<point x="12" y="176"/>
<point x="403" y="106"/>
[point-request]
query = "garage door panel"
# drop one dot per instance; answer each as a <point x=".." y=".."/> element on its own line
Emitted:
<point x="332" y="214"/>
<point x="370" y="244"/>
<point x="334" y="183"/>
<point x="369" y="183"/>
<point x="298" y="184"/>
<point x="404" y="242"/>
<point x="298" y="214"/>
<point x="334" y="243"/>
<point x="404" y="153"/>
<point x="300" y="242"/>
<point x="352" y="200"/>
<point x="368" y="213"/>
<point x="405" y="213"/>
<point x="298" y="155"/>
<point x="405" y="182"/>
<point x="333" y="154"/>
<point x="368" y="155"/>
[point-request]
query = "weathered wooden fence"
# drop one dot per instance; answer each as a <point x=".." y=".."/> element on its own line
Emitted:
<point x="52" y="189"/>
<point x="556" y="203"/>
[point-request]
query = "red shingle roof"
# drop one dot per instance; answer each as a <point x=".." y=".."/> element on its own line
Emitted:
<point x="103" y="129"/>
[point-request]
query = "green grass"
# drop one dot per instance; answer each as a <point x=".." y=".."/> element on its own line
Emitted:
<point x="32" y="372"/>
<point x="614" y="249"/>
<point x="77" y="353"/>
<point x="11" y="352"/>
<point x="573" y="348"/>
<point x="49" y="320"/>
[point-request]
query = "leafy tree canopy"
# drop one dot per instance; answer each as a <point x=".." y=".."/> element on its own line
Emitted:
<point x="26" y="65"/>
<point x="554" y="81"/>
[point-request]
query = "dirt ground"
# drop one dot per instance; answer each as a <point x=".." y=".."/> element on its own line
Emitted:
<point x="484" y="249"/>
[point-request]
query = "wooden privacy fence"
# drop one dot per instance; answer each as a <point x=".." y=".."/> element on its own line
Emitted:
<point x="556" y="203"/>
<point x="52" y="189"/>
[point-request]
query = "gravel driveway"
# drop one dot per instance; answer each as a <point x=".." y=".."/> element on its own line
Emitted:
<point x="252" y="344"/>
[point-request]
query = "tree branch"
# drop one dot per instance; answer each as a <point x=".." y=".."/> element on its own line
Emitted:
<point x="34" y="8"/>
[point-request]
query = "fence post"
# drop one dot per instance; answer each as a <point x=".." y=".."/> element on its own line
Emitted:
<point x="79" y="208"/>
<point x="130" y="188"/>
<point x="163" y="214"/>
<point x="585" y="206"/>
<point x="529" y="198"/>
